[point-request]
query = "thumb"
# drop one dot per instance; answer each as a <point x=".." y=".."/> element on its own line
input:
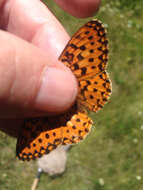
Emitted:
<point x="30" y="82"/>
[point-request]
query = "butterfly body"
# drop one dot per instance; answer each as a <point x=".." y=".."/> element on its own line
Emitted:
<point x="86" y="54"/>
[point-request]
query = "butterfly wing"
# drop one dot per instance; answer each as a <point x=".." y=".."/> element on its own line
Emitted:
<point x="95" y="91"/>
<point x="40" y="136"/>
<point x="76" y="129"/>
<point x="37" y="137"/>
<point x="86" y="55"/>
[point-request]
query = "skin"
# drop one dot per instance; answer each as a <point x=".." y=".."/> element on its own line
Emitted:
<point x="32" y="80"/>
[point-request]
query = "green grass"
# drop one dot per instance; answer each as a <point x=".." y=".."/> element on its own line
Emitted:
<point x="113" y="150"/>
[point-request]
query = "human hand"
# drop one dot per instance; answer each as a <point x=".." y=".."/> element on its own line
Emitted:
<point x="32" y="80"/>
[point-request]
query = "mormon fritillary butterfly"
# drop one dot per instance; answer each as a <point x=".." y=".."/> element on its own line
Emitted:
<point x="86" y="55"/>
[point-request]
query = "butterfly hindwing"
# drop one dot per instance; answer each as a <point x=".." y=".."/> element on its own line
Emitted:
<point x="94" y="91"/>
<point x="76" y="129"/>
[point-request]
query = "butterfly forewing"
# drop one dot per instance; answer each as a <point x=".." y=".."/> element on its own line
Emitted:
<point x="37" y="138"/>
<point x="86" y="54"/>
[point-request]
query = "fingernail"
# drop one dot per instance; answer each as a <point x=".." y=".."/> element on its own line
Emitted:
<point x="58" y="90"/>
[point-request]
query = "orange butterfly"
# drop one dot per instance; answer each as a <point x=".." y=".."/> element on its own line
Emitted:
<point x="86" y="55"/>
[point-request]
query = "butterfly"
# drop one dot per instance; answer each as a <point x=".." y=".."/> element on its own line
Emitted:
<point x="86" y="54"/>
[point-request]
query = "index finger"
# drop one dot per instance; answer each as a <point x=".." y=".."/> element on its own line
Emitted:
<point x="32" y="20"/>
<point x="80" y="8"/>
